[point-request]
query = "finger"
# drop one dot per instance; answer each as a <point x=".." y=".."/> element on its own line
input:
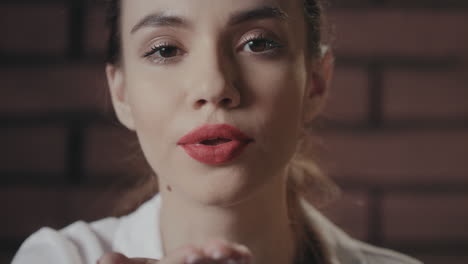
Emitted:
<point x="217" y="249"/>
<point x="117" y="258"/>
<point x="243" y="250"/>
<point x="227" y="252"/>
<point x="112" y="258"/>
<point x="142" y="261"/>
<point x="184" y="255"/>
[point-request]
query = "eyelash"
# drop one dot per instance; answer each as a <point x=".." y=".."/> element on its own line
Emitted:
<point x="274" y="49"/>
<point x="275" y="46"/>
<point x="157" y="48"/>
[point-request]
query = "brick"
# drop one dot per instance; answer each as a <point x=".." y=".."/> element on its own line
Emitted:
<point x="39" y="150"/>
<point x="33" y="28"/>
<point x="397" y="157"/>
<point x="6" y="257"/>
<point x="96" y="31"/>
<point x="442" y="259"/>
<point x="425" y="217"/>
<point x="29" y="209"/>
<point x="402" y="32"/>
<point x="427" y="95"/>
<point x="348" y="97"/>
<point x="350" y="213"/>
<point x="53" y="207"/>
<point x="426" y="4"/>
<point x="53" y="88"/>
<point x="111" y="151"/>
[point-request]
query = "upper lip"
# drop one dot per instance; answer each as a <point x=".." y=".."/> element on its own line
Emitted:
<point x="213" y="131"/>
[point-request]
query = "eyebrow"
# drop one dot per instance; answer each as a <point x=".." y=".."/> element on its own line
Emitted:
<point x="162" y="19"/>
<point x="263" y="12"/>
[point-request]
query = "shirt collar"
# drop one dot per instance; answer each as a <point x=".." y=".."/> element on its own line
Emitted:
<point x="341" y="247"/>
<point x="138" y="234"/>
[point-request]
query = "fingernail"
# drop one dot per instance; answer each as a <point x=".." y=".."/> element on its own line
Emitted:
<point x="231" y="261"/>
<point x="244" y="249"/>
<point x="192" y="258"/>
<point x="217" y="254"/>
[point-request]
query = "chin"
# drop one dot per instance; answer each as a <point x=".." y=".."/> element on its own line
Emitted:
<point x="222" y="193"/>
<point x="227" y="188"/>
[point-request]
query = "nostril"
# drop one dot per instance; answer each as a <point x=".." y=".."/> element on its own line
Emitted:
<point x="226" y="101"/>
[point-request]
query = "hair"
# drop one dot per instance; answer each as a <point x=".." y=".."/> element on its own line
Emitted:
<point x="305" y="177"/>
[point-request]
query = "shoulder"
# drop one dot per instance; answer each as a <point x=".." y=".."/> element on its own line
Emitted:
<point x="347" y="250"/>
<point x="343" y="249"/>
<point x="378" y="255"/>
<point x="77" y="243"/>
<point x="134" y="235"/>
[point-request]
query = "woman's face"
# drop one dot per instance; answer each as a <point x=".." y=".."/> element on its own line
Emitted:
<point x="188" y="63"/>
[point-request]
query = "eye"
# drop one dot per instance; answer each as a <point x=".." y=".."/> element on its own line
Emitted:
<point x="259" y="44"/>
<point x="162" y="52"/>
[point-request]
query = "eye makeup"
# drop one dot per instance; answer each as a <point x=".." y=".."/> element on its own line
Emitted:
<point x="260" y="44"/>
<point x="256" y="43"/>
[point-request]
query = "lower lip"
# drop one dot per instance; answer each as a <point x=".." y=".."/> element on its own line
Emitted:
<point x="215" y="154"/>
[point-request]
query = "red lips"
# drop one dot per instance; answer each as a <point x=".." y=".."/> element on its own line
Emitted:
<point x="214" y="144"/>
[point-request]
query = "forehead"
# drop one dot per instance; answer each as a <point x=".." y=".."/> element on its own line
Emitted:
<point x="201" y="11"/>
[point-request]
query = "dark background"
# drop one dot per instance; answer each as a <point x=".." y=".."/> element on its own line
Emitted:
<point x="394" y="133"/>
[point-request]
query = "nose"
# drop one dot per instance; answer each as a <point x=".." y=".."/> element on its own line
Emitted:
<point x="214" y="85"/>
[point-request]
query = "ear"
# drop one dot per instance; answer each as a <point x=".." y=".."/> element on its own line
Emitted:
<point x="119" y="95"/>
<point x="320" y="74"/>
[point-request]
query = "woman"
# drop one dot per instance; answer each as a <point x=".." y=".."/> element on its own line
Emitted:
<point x="219" y="93"/>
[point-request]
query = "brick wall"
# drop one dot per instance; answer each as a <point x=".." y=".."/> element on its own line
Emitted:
<point x="394" y="132"/>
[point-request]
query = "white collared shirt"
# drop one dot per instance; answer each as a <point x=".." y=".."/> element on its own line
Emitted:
<point x="138" y="235"/>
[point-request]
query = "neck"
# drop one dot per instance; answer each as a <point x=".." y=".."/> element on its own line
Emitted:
<point x="261" y="223"/>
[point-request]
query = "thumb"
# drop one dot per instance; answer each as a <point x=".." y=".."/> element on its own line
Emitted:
<point x="118" y="258"/>
<point x="142" y="261"/>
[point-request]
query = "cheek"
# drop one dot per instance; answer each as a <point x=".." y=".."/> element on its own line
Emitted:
<point x="278" y="89"/>
<point x="154" y="102"/>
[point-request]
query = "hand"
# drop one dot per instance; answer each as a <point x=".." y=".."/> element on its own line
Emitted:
<point x="214" y="252"/>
